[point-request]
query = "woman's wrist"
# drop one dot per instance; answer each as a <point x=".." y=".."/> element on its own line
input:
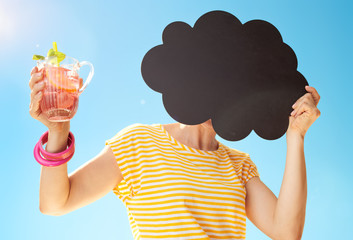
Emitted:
<point x="294" y="135"/>
<point x="59" y="127"/>
<point x="57" y="141"/>
<point x="295" y="141"/>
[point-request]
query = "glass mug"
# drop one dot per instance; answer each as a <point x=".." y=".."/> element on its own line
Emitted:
<point x="63" y="87"/>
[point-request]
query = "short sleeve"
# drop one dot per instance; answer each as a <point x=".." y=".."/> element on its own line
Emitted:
<point x="123" y="145"/>
<point x="249" y="169"/>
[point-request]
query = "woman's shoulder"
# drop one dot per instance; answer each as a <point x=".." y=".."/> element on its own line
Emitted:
<point x="135" y="132"/>
<point x="232" y="152"/>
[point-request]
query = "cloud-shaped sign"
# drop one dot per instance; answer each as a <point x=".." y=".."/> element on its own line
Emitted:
<point x="242" y="76"/>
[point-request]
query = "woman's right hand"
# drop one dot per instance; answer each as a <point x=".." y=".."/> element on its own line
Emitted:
<point x="37" y="85"/>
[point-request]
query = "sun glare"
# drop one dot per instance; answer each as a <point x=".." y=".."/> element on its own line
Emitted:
<point x="7" y="25"/>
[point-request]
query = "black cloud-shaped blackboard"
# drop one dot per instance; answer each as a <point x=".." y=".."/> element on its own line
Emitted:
<point x="242" y="76"/>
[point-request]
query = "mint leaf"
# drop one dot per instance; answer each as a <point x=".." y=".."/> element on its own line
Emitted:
<point x="38" y="57"/>
<point x="56" y="56"/>
<point x="51" y="53"/>
<point x="61" y="56"/>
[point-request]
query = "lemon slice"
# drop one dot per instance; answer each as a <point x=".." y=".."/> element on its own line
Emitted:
<point x="61" y="79"/>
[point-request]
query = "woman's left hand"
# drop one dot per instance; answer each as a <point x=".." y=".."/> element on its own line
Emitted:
<point x="305" y="112"/>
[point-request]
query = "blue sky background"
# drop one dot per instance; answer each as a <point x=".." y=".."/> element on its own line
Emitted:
<point x="114" y="36"/>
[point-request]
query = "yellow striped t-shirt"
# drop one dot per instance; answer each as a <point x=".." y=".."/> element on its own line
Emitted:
<point x="172" y="191"/>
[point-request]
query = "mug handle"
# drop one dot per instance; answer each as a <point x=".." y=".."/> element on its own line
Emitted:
<point x="90" y="75"/>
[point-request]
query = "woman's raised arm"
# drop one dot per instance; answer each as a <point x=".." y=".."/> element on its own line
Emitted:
<point x="284" y="218"/>
<point x="59" y="193"/>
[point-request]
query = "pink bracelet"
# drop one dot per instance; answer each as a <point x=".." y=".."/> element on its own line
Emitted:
<point x="53" y="159"/>
<point x="48" y="163"/>
<point x="57" y="156"/>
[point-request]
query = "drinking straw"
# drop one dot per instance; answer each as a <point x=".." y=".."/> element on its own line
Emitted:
<point x="55" y="47"/>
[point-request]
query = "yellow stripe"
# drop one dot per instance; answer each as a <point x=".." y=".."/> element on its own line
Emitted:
<point x="160" y="208"/>
<point x="231" y="225"/>
<point x="180" y="235"/>
<point x="156" y="214"/>
<point x="170" y="188"/>
<point x="225" y="237"/>
<point x="152" y="180"/>
<point x="139" y="203"/>
<point x="191" y="229"/>
<point x="190" y="195"/>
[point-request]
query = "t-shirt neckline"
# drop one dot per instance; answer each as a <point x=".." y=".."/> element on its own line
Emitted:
<point x="187" y="148"/>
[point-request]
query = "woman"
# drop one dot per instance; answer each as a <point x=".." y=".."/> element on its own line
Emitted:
<point x="278" y="218"/>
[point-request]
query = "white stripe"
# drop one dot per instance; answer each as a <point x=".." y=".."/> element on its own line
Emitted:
<point x="179" y="221"/>
<point x="176" y="231"/>
<point x="172" y="205"/>
<point x="215" y="210"/>
<point x="172" y="227"/>
<point x="147" y="219"/>
<point x="174" y="237"/>
<point x="192" y="192"/>
<point x="195" y="225"/>
<point x="172" y="232"/>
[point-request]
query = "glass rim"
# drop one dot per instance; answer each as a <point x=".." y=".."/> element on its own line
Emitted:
<point x="71" y="61"/>
<point x="66" y="58"/>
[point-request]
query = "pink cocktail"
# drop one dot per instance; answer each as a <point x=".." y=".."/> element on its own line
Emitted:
<point x="63" y="87"/>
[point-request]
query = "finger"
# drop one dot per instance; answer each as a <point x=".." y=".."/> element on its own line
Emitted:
<point x="306" y="96"/>
<point x="314" y="93"/>
<point x="34" y="106"/>
<point x="300" y="109"/>
<point x="307" y="99"/>
<point x="304" y="106"/>
<point x="36" y="77"/>
<point x="37" y="87"/>
<point x="34" y="70"/>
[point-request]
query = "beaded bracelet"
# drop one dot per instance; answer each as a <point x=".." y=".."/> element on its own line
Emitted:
<point x="53" y="159"/>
